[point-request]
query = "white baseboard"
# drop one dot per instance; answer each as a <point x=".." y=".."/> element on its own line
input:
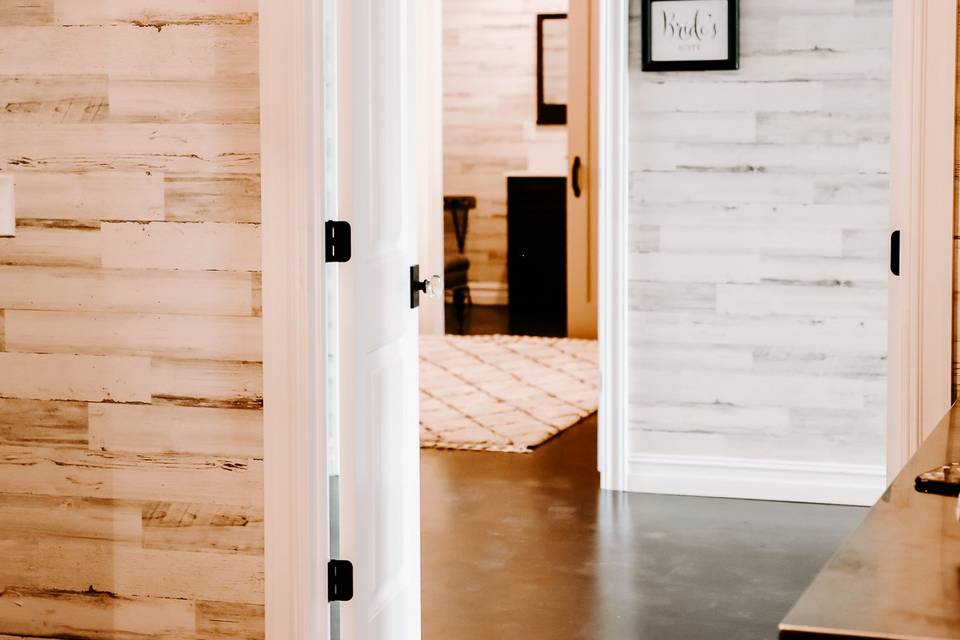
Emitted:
<point x="825" y="483"/>
<point x="485" y="293"/>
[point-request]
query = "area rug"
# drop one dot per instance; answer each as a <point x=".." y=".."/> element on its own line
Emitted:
<point x="503" y="393"/>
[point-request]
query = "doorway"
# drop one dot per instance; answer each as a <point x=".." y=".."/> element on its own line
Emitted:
<point x="516" y="267"/>
<point x="510" y="388"/>
<point x="370" y="59"/>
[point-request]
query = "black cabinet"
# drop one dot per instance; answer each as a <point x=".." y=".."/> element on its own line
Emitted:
<point x="537" y="254"/>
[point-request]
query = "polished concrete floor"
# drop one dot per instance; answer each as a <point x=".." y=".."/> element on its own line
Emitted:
<point x="527" y="547"/>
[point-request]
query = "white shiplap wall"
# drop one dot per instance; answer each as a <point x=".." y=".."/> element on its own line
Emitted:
<point x="758" y="221"/>
<point x="489" y="121"/>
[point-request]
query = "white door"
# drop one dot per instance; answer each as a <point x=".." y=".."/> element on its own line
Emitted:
<point x="380" y="498"/>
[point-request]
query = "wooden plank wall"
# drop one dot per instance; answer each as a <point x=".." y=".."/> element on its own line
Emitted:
<point x="131" y="499"/>
<point x="758" y="222"/>
<point x="489" y="119"/>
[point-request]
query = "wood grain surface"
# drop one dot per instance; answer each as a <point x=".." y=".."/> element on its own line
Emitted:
<point x="131" y="490"/>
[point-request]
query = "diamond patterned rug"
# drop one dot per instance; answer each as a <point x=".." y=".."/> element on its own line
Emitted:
<point x="503" y="393"/>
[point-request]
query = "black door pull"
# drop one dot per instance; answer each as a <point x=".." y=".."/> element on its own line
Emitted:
<point x="575" y="177"/>
<point x="895" y="252"/>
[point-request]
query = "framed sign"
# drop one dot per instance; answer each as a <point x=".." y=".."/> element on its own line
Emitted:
<point x="690" y="35"/>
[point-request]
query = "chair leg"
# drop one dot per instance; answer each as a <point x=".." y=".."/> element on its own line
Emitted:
<point x="459" y="306"/>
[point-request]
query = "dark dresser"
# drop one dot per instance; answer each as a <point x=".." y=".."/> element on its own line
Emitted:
<point x="537" y="253"/>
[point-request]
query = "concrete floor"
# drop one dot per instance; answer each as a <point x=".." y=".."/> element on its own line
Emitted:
<point x="527" y="547"/>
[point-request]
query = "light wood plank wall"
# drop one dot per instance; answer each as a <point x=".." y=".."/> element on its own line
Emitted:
<point x="489" y="119"/>
<point x="758" y="240"/>
<point x="131" y="501"/>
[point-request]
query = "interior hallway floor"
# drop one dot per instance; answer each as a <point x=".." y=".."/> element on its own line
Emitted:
<point x="528" y="547"/>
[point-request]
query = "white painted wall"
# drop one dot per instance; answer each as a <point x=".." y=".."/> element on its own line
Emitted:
<point x="758" y="302"/>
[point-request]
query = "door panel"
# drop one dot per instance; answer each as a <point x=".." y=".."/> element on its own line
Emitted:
<point x="385" y="567"/>
<point x="380" y="528"/>
<point x="581" y="202"/>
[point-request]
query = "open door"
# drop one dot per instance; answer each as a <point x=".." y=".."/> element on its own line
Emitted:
<point x="582" y="206"/>
<point x="380" y="492"/>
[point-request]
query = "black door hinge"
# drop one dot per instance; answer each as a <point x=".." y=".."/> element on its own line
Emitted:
<point x="338" y="241"/>
<point x="339" y="580"/>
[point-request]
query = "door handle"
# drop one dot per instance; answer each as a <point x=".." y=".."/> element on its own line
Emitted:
<point x="895" y="252"/>
<point x="575" y="177"/>
<point x="432" y="287"/>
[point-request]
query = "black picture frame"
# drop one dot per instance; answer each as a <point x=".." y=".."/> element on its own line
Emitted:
<point x="730" y="62"/>
<point x="548" y="114"/>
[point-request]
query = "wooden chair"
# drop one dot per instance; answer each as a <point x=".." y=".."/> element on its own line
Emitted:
<point x="456" y="268"/>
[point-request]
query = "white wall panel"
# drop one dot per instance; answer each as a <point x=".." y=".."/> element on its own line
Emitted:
<point x="758" y="221"/>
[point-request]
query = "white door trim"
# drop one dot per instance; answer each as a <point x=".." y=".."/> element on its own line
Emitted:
<point x="922" y="207"/>
<point x="429" y="71"/>
<point x="295" y="475"/>
<point x="612" y="181"/>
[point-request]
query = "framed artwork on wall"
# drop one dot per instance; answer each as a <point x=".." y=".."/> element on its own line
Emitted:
<point x="690" y="35"/>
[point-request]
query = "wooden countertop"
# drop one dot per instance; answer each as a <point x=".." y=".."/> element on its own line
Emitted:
<point x="898" y="576"/>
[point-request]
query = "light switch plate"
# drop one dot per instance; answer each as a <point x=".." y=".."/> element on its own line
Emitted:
<point x="8" y="219"/>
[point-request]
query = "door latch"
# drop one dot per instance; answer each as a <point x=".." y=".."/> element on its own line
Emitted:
<point x="432" y="286"/>
<point x="895" y="252"/>
<point x="339" y="580"/>
<point x="337" y="233"/>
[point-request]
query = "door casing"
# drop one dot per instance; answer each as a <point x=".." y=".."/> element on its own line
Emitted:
<point x="920" y="332"/>
<point x="296" y="512"/>
<point x="610" y="179"/>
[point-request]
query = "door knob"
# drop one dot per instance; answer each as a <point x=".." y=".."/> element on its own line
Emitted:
<point x="432" y="287"/>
